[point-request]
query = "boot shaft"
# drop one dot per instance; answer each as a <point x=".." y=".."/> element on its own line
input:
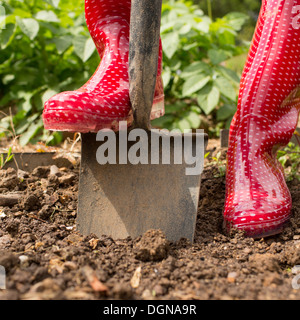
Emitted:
<point x="109" y="25"/>
<point x="96" y="10"/>
<point x="272" y="70"/>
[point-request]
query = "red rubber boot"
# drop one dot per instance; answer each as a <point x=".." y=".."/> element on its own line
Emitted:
<point x="257" y="198"/>
<point x="104" y="100"/>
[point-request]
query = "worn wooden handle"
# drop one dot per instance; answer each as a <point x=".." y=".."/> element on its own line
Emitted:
<point x="143" y="57"/>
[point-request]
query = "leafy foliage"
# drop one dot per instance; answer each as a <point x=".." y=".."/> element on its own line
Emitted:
<point x="290" y="160"/>
<point x="46" y="49"/>
<point x="195" y="75"/>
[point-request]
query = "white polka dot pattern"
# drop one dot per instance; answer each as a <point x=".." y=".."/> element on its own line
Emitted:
<point x="104" y="100"/>
<point x="257" y="198"/>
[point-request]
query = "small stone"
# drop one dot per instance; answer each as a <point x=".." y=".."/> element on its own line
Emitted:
<point x="22" y="174"/>
<point x="54" y="170"/>
<point x="147" y="295"/>
<point x="247" y="250"/>
<point x="245" y="271"/>
<point x="159" y="290"/>
<point x="24" y="260"/>
<point x="231" y="277"/>
<point x="2" y="214"/>
<point x="136" y="279"/>
<point x="5" y="240"/>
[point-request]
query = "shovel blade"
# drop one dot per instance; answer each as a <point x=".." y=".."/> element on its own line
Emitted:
<point x="121" y="200"/>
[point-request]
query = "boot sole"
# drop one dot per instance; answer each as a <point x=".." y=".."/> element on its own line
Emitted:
<point x="262" y="230"/>
<point x="60" y="120"/>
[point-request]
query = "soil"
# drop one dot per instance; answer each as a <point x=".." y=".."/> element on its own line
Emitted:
<point x="46" y="258"/>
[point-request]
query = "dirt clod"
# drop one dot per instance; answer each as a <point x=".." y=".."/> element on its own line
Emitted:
<point x="153" y="246"/>
<point x="30" y="202"/>
<point x="262" y="262"/>
<point x="41" y="172"/>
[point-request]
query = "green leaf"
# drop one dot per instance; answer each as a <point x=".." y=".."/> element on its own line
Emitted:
<point x="176" y="107"/>
<point x="194" y="68"/>
<point x="229" y="74"/>
<point x="194" y="84"/>
<point x="2" y="19"/>
<point x="1" y="161"/>
<point x="48" y="16"/>
<point x="183" y="124"/>
<point x="22" y="13"/>
<point x="33" y="129"/>
<point x="30" y="27"/>
<point x="226" y="38"/>
<point x="7" y="35"/>
<point x="216" y="56"/>
<point x="186" y="28"/>
<point x="170" y="43"/>
<point x="84" y="47"/>
<point x="209" y="98"/>
<point x="166" y="76"/>
<point x="8" y="78"/>
<point x="226" y="88"/>
<point x="9" y="158"/>
<point x="204" y="25"/>
<point x="54" y="3"/>
<point x="163" y="121"/>
<point x="226" y="112"/>
<point x="48" y="94"/>
<point x="236" y="20"/>
<point x="194" y="120"/>
<point x="63" y="43"/>
<point x="9" y="152"/>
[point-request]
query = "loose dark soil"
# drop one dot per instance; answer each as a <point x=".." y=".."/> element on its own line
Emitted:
<point x="45" y="258"/>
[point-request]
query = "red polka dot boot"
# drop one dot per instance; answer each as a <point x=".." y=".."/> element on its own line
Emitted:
<point x="257" y="198"/>
<point x="104" y="100"/>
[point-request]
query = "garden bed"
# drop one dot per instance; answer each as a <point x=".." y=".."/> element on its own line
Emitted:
<point x="45" y="258"/>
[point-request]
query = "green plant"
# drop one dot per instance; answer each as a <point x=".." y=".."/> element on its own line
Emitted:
<point x="45" y="49"/>
<point x="220" y="164"/>
<point x="5" y="159"/>
<point x="195" y="75"/>
<point x="289" y="157"/>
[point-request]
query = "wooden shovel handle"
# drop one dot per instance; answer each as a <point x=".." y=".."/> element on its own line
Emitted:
<point x="143" y="58"/>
